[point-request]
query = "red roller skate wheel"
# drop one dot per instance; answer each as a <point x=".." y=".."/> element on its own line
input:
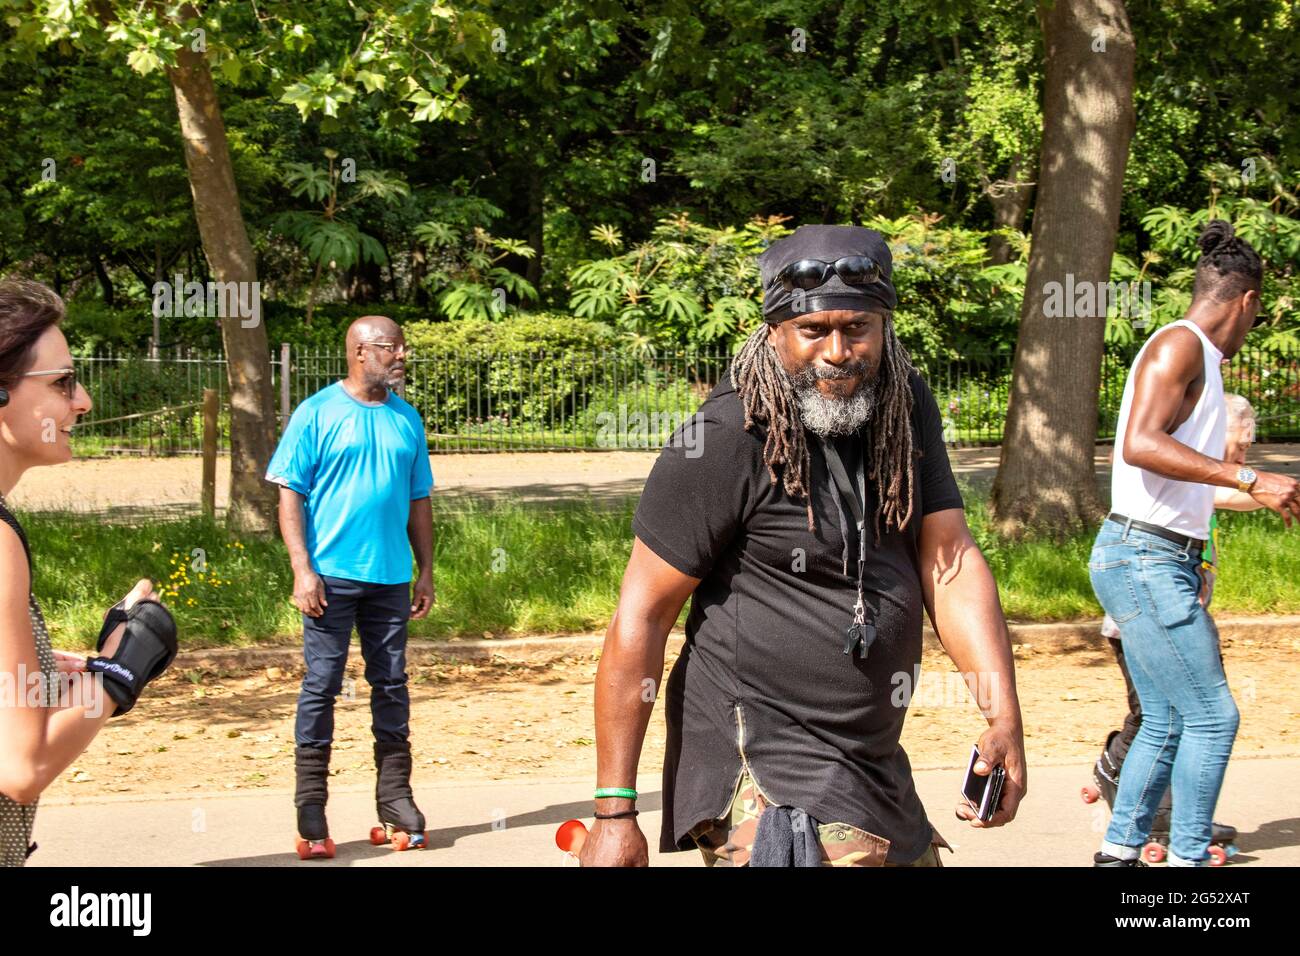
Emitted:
<point x="571" y="835"/>
<point x="401" y="841"/>
<point x="318" y="851"/>
<point x="1153" y="853"/>
<point x="1090" y="794"/>
<point x="1218" y="856"/>
<point x="377" y="836"/>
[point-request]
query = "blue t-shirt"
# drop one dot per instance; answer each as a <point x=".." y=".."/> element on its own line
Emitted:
<point x="359" y="466"/>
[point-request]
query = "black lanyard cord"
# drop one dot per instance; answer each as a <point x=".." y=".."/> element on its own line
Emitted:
<point x="860" y="633"/>
<point x="841" y="478"/>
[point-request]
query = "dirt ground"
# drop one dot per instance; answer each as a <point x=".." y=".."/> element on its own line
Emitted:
<point x="231" y="728"/>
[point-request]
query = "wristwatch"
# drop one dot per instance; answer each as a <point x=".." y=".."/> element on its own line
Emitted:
<point x="1246" y="478"/>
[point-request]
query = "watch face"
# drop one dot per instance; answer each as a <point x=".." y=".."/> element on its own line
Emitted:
<point x="1246" y="475"/>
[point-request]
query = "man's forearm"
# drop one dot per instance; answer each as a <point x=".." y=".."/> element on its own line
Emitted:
<point x="627" y="684"/>
<point x="1166" y="456"/>
<point x="419" y="529"/>
<point x="292" y="530"/>
<point x="968" y="618"/>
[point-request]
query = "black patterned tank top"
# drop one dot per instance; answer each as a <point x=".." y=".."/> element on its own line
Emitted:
<point x="16" y="820"/>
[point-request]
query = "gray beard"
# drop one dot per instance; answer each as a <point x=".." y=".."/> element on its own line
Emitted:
<point x="833" y="417"/>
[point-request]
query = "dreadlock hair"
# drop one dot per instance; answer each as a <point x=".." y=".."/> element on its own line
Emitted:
<point x="769" y="400"/>
<point x="1229" y="267"/>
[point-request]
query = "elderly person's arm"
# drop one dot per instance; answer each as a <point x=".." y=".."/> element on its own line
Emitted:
<point x="1229" y="499"/>
<point x="961" y="598"/>
<point x="419" y="530"/>
<point x="308" y="588"/>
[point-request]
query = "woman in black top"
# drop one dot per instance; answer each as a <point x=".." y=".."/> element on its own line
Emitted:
<point x="40" y="401"/>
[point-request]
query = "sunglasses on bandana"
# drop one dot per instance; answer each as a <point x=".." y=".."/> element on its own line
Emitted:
<point x="811" y="273"/>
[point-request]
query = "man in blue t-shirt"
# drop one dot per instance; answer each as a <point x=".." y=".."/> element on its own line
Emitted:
<point x="354" y="477"/>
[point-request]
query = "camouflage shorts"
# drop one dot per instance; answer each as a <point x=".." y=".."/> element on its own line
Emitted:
<point x="728" y="840"/>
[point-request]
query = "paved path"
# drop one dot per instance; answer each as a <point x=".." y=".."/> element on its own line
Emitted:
<point x="511" y="823"/>
<point x="171" y="485"/>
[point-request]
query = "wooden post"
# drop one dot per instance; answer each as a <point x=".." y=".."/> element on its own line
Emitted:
<point x="210" y="452"/>
<point x="284" y="385"/>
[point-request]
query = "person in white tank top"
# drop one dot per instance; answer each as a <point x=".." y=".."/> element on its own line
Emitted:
<point x="1182" y="506"/>
<point x="1145" y="563"/>
<point x="1105" y="773"/>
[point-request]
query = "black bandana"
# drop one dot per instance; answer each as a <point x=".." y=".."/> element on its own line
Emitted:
<point x="826" y="243"/>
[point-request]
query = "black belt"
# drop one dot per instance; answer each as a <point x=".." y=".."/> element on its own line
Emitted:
<point x="1182" y="540"/>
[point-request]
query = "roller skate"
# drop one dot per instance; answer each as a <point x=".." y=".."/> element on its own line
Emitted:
<point x="401" y="824"/>
<point x="312" y="767"/>
<point x="1105" y="776"/>
<point x="1105" y="859"/>
<point x="1222" y="841"/>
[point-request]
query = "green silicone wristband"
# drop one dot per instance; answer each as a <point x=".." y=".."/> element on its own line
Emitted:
<point x="615" y="792"/>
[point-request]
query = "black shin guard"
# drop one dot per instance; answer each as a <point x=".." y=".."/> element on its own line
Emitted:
<point x="312" y="768"/>
<point x="394" y="801"/>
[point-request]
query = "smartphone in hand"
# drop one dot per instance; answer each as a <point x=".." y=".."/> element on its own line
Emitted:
<point x="983" y="793"/>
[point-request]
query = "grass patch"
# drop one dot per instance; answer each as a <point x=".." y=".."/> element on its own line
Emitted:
<point x="509" y="568"/>
<point x="505" y="568"/>
<point x="1046" y="580"/>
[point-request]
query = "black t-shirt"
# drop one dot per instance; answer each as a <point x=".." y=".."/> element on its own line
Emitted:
<point x="763" y="676"/>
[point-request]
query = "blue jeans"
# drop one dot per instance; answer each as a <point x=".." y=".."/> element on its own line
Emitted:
<point x="379" y="613"/>
<point x="1150" y="587"/>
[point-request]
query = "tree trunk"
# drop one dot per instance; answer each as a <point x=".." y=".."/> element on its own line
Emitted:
<point x="536" y="223"/>
<point x="230" y="255"/>
<point x="105" y="282"/>
<point x="1045" y="478"/>
<point x="365" y="283"/>
<point x="1010" y="199"/>
<point x="155" y="335"/>
<point x="416" y="292"/>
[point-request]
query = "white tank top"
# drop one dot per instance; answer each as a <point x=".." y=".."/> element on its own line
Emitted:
<point x="1182" y="506"/>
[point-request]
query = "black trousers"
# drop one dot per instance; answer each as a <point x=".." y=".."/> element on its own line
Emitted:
<point x="379" y="613"/>
<point x="1133" y="720"/>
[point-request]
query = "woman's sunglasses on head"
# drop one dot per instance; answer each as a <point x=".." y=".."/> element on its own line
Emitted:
<point x="811" y="273"/>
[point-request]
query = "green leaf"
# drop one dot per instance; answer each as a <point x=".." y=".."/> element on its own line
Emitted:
<point x="428" y="107"/>
<point x="436" y="235"/>
<point x="144" y="61"/>
<point x="593" y="303"/>
<point x="231" y="68"/>
<point x="304" y="179"/>
<point x="371" y="81"/>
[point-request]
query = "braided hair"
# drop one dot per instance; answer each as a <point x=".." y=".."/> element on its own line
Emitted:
<point x="1229" y="267"/>
<point x="769" y="400"/>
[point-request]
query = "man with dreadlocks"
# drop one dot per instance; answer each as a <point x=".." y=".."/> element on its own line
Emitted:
<point x="1146" y="560"/>
<point x="803" y="642"/>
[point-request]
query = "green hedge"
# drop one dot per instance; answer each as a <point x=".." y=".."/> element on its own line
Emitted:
<point x="533" y="368"/>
